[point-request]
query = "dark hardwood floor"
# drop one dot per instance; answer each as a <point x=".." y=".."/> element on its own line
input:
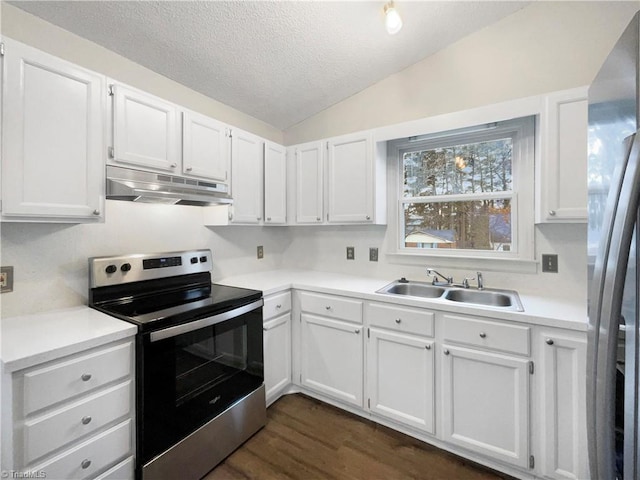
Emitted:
<point x="306" y="439"/>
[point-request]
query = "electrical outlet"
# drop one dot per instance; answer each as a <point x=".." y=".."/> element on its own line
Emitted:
<point x="260" y="252"/>
<point x="351" y="253"/>
<point x="549" y="263"/>
<point x="6" y="279"/>
<point x="373" y="254"/>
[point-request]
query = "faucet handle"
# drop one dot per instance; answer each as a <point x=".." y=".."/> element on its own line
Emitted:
<point x="465" y="282"/>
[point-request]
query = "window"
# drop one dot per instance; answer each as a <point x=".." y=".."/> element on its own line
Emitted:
<point x="468" y="192"/>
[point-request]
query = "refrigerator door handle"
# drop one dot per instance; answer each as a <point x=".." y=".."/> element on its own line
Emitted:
<point x="605" y="311"/>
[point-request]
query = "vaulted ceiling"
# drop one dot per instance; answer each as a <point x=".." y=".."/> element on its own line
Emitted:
<point x="278" y="61"/>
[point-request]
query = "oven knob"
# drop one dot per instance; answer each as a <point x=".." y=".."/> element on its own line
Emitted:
<point x="203" y="259"/>
<point x="111" y="269"/>
<point x="194" y="259"/>
<point x="125" y="267"/>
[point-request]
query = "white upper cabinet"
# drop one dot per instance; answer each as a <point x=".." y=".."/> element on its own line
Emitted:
<point x="309" y="167"/>
<point x="350" y="179"/>
<point x="275" y="184"/>
<point x="562" y="170"/>
<point x="247" y="154"/>
<point x="145" y="131"/>
<point x="205" y="146"/>
<point x="53" y="138"/>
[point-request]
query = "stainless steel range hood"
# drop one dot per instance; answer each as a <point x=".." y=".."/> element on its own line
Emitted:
<point x="147" y="187"/>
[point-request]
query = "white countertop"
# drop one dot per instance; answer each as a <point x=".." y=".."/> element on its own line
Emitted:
<point x="537" y="310"/>
<point x="28" y="340"/>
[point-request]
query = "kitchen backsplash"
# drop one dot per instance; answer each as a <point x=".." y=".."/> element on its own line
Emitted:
<point x="50" y="260"/>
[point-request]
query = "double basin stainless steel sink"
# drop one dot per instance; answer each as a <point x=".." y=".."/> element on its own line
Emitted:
<point x="499" y="299"/>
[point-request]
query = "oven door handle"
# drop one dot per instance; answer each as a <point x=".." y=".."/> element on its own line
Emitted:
<point x="205" y="322"/>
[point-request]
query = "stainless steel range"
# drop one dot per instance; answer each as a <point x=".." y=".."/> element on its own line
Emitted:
<point x="199" y="358"/>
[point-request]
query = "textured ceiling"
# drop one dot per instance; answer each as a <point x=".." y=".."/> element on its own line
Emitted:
<point x="278" y="61"/>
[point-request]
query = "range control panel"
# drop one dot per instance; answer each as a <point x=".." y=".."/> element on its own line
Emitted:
<point x="104" y="271"/>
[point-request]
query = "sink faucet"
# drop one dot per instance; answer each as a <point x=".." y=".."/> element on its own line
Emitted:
<point x="432" y="273"/>
<point x="480" y="281"/>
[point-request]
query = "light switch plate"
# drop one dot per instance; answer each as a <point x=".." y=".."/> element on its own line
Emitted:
<point x="549" y="263"/>
<point x="6" y="279"/>
<point x="373" y="254"/>
<point x="260" y="252"/>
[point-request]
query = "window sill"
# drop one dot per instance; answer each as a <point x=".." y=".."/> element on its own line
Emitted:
<point x="480" y="263"/>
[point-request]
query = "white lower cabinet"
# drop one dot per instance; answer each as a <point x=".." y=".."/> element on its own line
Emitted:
<point x="331" y="346"/>
<point x="401" y="378"/>
<point x="277" y="345"/>
<point x="485" y="403"/>
<point x="563" y="404"/>
<point x="73" y="416"/>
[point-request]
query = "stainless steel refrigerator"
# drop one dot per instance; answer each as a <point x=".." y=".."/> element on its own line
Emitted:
<point x="613" y="377"/>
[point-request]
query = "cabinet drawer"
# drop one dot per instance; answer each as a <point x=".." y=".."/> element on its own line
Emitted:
<point x="331" y="306"/>
<point x="496" y="336"/>
<point x="122" y="471"/>
<point x="60" y="381"/>
<point x="92" y="456"/>
<point x="401" y="319"/>
<point x="277" y="304"/>
<point x="67" y="424"/>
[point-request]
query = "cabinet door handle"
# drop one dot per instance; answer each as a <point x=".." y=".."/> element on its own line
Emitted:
<point x="96" y="212"/>
<point x="86" y="463"/>
<point x="357" y="330"/>
<point x="428" y="347"/>
<point x="268" y="219"/>
<point x="445" y="351"/>
<point x="188" y="169"/>
<point x="259" y="218"/>
<point x="327" y="307"/>
<point x="552" y="213"/>
<point x="398" y="320"/>
<point x="368" y="217"/>
<point x="483" y="335"/>
<point x="317" y="219"/>
<point x="278" y="306"/>
<point x="86" y="377"/>
<point x="86" y="420"/>
<point x="173" y="165"/>
<point x="549" y="341"/>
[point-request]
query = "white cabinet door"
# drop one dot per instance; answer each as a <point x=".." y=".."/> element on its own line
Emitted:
<point x="275" y="184"/>
<point x="401" y="380"/>
<point x="145" y="130"/>
<point x="562" y="177"/>
<point x="309" y="183"/>
<point x="277" y="356"/>
<point x="332" y="358"/>
<point x="485" y="403"/>
<point x="563" y="408"/>
<point x="206" y="147"/>
<point x="246" y="177"/>
<point x="350" y="179"/>
<point x="53" y="137"/>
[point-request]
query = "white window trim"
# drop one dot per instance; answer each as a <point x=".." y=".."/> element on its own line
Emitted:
<point x="522" y="203"/>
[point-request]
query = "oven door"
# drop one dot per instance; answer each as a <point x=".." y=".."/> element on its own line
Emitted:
<point x="193" y="372"/>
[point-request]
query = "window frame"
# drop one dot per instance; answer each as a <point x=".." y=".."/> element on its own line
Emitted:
<point x="522" y="132"/>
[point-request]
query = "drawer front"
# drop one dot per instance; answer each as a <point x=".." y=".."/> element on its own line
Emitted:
<point x="58" y="382"/>
<point x="122" y="471"/>
<point x="332" y="306"/>
<point x="496" y="336"/>
<point x="275" y="305"/>
<point x="67" y="424"/>
<point x="92" y="456"/>
<point x="401" y="319"/>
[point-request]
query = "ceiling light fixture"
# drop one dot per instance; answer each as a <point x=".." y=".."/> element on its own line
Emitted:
<point x="392" y="19"/>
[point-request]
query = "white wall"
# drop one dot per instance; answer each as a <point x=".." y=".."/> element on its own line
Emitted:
<point x="544" y="47"/>
<point x="50" y="260"/>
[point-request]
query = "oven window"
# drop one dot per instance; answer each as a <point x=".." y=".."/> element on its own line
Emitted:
<point x="192" y="377"/>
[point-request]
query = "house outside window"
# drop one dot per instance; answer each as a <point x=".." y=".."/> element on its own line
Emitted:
<point x="468" y="192"/>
